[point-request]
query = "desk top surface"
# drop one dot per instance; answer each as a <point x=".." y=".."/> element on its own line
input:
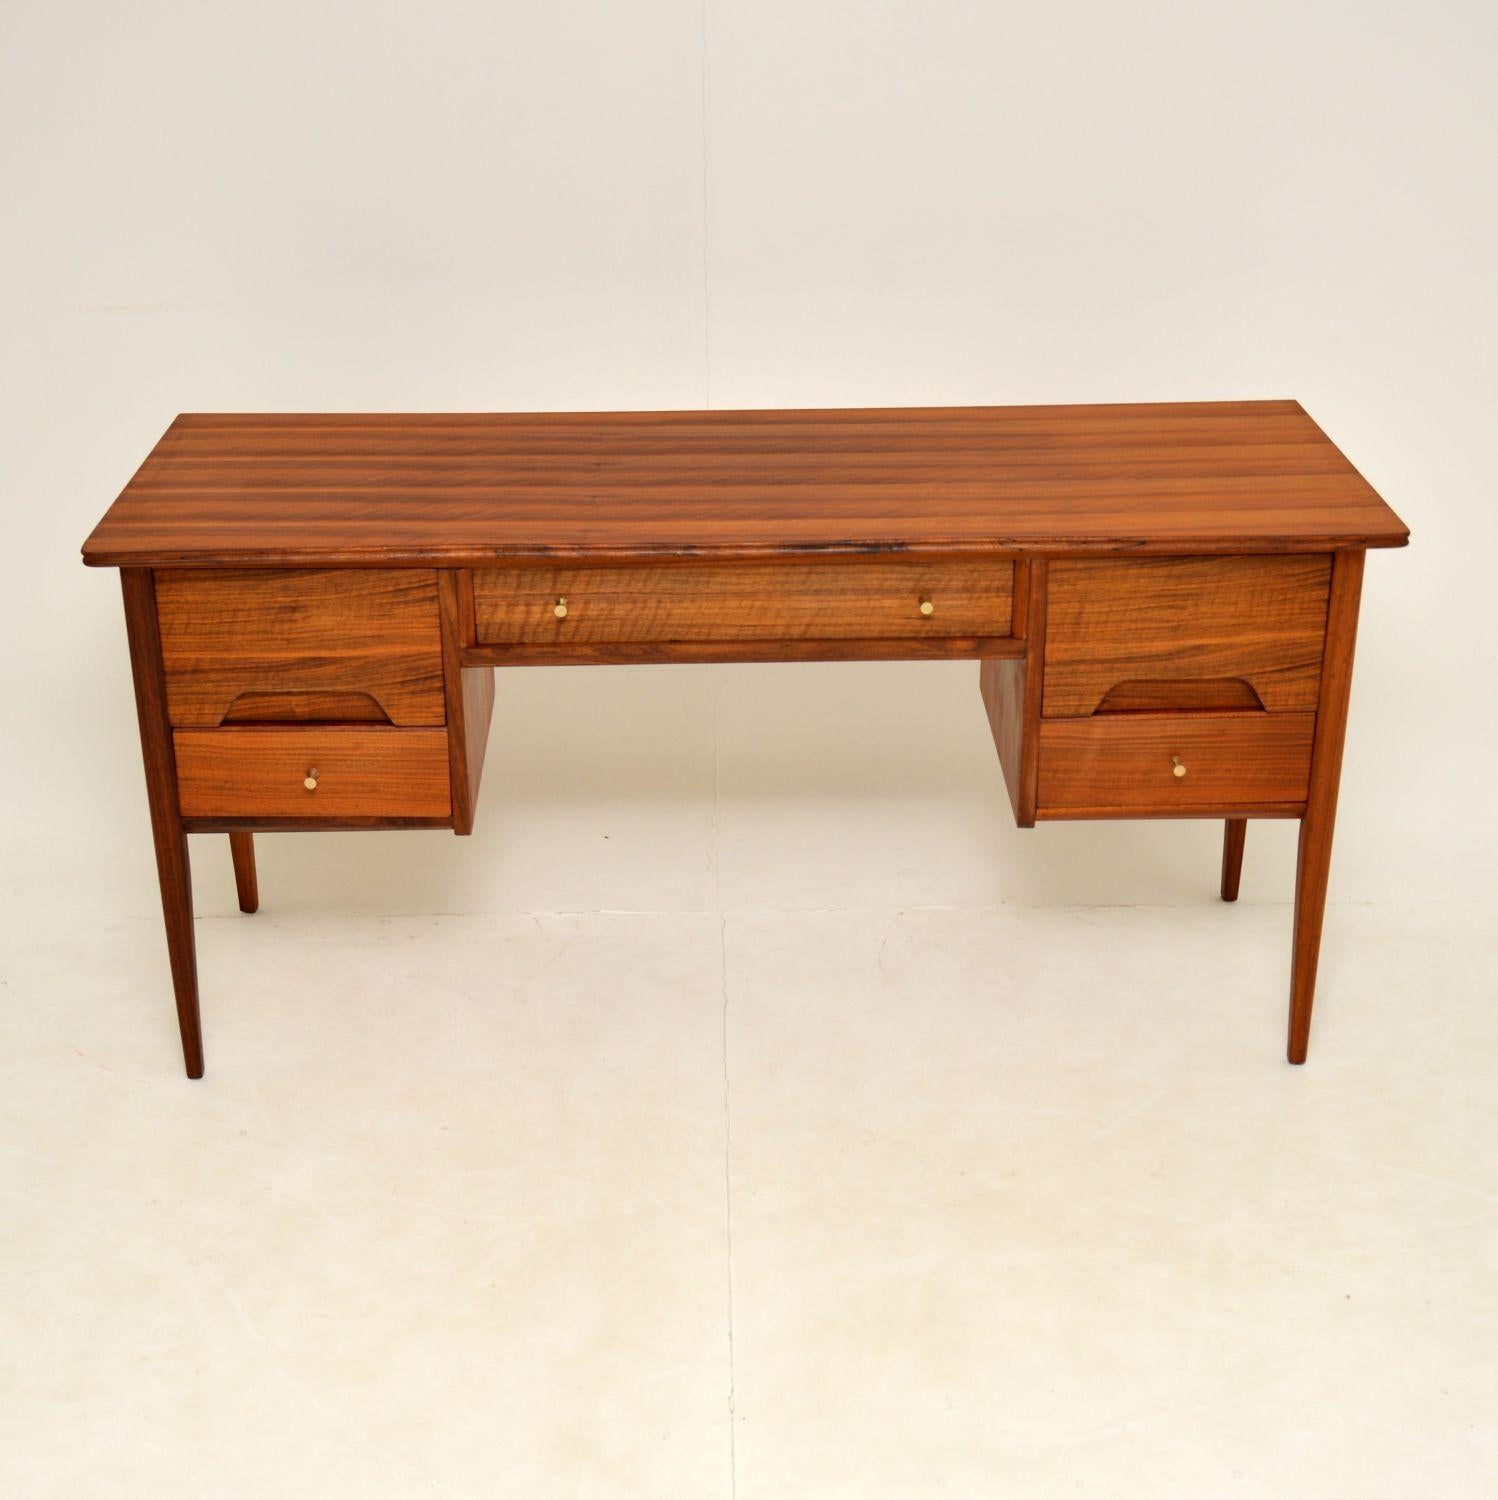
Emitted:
<point x="469" y="488"/>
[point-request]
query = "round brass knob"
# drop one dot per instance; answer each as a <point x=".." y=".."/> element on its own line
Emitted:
<point x="310" y="779"/>
<point x="559" y="609"/>
<point x="927" y="607"/>
<point x="1177" y="766"/>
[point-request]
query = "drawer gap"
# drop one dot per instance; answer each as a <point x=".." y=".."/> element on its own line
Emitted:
<point x="1142" y="695"/>
<point x="306" y="708"/>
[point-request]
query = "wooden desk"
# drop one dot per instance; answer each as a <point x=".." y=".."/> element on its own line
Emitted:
<point x="1163" y="599"/>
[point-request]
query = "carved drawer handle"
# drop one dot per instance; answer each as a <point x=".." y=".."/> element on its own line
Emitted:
<point x="559" y="609"/>
<point x="1177" y="767"/>
<point x="310" y="779"/>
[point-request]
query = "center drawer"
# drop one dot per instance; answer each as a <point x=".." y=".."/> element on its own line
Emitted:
<point x="843" y="598"/>
<point x="253" y="771"/>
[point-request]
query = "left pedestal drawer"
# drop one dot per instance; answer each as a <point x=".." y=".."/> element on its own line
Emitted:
<point x="254" y="771"/>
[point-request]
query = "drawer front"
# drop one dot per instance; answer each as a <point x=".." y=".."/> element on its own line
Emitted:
<point x="1229" y="631"/>
<point x="854" y="598"/>
<point x="255" y="772"/>
<point x="276" y="645"/>
<point x="1129" y="764"/>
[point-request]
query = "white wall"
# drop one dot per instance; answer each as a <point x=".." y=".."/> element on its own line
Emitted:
<point x="489" y="206"/>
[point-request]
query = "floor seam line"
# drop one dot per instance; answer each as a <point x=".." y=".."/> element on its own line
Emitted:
<point x="715" y="850"/>
<point x="707" y="317"/>
<point x="733" y="1484"/>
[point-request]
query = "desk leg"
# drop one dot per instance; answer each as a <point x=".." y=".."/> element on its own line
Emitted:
<point x="1313" y="864"/>
<point x="172" y="865"/>
<point x="1233" y="832"/>
<point x="242" y="852"/>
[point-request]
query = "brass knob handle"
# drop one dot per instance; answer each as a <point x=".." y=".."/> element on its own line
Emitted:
<point x="1177" y="767"/>
<point x="559" y="609"/>
<point x="310" y="779"/>
<point x="927" y="607"/>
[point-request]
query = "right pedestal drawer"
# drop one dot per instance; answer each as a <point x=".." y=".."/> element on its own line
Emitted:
<point x="1219" y="631"/>
<point x="1174" y="765"/>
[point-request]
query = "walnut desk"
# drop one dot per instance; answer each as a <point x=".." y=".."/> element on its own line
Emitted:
<point x="1163" y="600"/>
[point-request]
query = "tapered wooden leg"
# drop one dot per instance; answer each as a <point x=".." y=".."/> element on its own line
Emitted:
<point x="1314" y="861"/>
<point x="1233" y="832"/>
<point x="1312" y="866"/>
<point x="172" y="865"/>
<point x="242" y="850"/>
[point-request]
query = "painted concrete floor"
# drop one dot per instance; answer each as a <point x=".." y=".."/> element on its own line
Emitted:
<point x="921" y="1202"/>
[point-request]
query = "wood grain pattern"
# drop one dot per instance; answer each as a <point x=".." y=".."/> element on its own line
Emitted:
<point x="1209" y="811"/>
<point x="257" y="772"/>
<point x="246" y="883"/>
<point x="478" y="712"/>
<point x="465" y="489"/>
<point x="1314" y="856"/>
<point x="266" y="823"/>
<point x="1258" y="619"/>
<point x="1126" y="762"/>
<point x="1037" y="633"/>
<point x="856" y="598"/>
<point x="295" y="645"/>
<point x="470" y="700"/>
<point x="173" y="868"/>
<point x="650" y="653"/>
<point x="1002" y="684"/>
<point x="1011" y="693"/>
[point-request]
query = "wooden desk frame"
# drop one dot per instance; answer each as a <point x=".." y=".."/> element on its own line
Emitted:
<point x="1163" y="600"/>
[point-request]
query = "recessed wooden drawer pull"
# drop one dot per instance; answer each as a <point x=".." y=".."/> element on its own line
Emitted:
<point x="927" y="607"/>
<point x="1177" y="766"/>
<point x="560" y="608"/>
<point x="310" y="779"/>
